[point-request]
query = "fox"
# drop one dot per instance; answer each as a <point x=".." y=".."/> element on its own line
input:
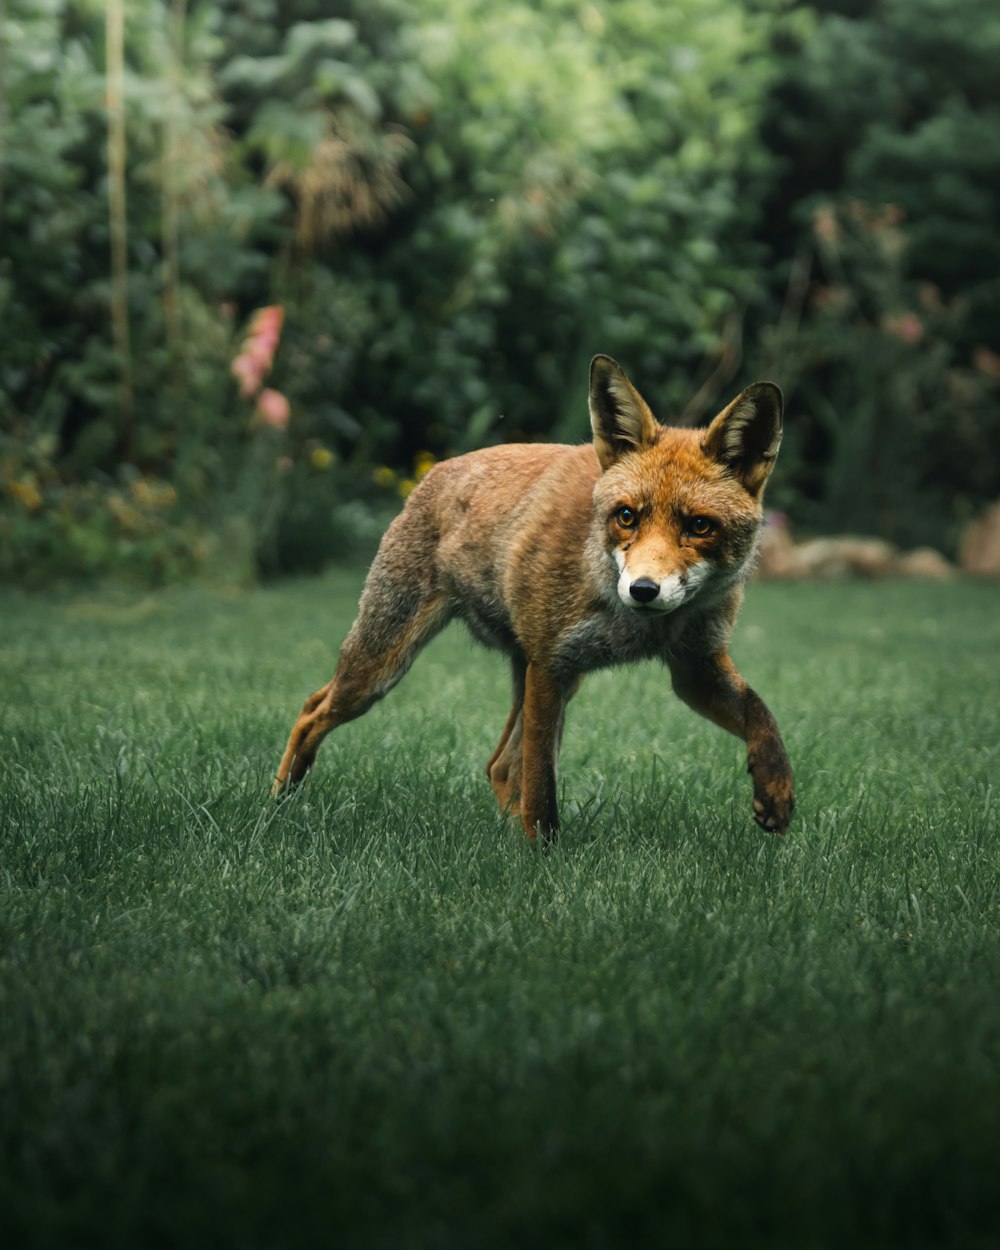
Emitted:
<point x="568" y="559"/>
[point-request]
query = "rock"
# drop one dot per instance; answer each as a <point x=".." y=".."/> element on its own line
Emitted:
<point x="979" y="551"/>
<point x="776" y="553"/>
<point x="845" y="557"/>
<point x="924" y="562"/>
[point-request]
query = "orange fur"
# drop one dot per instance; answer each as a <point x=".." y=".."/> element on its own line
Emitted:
<point x="570" y="559"/>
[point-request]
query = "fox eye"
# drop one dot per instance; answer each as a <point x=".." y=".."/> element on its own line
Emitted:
<point x="700" y="526"/>
<point x="627" y="518"/>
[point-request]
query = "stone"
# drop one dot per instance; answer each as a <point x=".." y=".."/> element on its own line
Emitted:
<point x="979" y="550"/>
<point x="924" y="562"/>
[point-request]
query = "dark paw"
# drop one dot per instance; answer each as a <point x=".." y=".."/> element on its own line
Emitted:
<point x="773" y="787"/>
<point x="772" y="807"/>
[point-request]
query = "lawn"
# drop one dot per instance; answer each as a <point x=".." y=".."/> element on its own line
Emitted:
<point x="373" y="1016"/>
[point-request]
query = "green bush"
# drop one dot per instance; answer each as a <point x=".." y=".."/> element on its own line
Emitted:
<point x="129" y="525"/>
<point x="457" y="203"/>
<point x="886" y="417"/>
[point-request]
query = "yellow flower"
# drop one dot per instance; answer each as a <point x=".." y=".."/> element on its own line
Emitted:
<point x="405" y="486"/>
<point x="26" y="492"/>
<point x="127" y="517"/>
<point x="149" y="493"/>
<point x="384" y="476"/>
<point x="423" y="462"/>
<point x="322" y="458"/>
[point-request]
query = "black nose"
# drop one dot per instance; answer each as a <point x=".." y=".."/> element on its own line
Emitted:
<point x="644" y="590"/>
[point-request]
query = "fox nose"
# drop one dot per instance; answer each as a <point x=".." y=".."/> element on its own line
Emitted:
<point x="643" y="590"/>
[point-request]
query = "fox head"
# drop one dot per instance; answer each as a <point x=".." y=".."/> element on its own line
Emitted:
<point x="678" y="510"/>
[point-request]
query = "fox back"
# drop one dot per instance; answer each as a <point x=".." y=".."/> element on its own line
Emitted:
<point x="606" y="553"/>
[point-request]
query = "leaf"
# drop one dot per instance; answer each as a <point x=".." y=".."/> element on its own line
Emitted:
<point x="282" y="132"/>
<point x="334" y="35"/>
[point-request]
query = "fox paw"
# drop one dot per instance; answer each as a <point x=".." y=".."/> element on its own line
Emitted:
<point x="773" y="814"/>
<point x="773" y="794"/>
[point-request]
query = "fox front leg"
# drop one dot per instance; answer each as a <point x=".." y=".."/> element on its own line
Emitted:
<point x="712" y="686"/>
<point x="542" y="715"/>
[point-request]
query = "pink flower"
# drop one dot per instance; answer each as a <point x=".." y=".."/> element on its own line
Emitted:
<point x="254" y="362"/>
<point x="987" y="362"/>
<point x="907" y="326"/>
<point x="273" y="408"/>
<point x="248" y="373"/>
<point x="268" y="322"/>
<point x="265" y="331"/>
<point x="825" y="224"/>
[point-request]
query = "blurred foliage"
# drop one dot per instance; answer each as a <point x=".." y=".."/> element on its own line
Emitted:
<point x="883" y="222"/>
<point x="455" y="203"/>
<point x="887" y="419"/>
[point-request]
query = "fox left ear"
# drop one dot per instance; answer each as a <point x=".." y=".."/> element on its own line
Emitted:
<point x="746" y="435"/>
<point x="619" y="416"/>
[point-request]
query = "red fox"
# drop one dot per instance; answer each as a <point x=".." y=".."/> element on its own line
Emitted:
<point x="569" y="559"/>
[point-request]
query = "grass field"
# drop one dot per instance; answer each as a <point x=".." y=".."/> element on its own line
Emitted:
<point x="372" y="1016"/>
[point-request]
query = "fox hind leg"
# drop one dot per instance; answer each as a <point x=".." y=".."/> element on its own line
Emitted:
<point x="364" y="675"/>
<point x="401" y="610"/>
<point x="504" y="766"/>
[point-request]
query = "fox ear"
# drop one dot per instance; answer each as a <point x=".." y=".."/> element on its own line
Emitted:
<point x="746" y="435"/>
<point x="619" y="416"/>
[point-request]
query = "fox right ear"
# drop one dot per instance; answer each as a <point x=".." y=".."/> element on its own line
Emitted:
<point x="746" y="435"/>
<point x="619" y="416"/>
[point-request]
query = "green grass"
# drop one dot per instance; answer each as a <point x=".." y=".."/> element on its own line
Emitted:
<point x="372" y="1016"/>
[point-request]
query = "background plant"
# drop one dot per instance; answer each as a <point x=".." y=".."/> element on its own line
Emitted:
<point x="455" y="204"/>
